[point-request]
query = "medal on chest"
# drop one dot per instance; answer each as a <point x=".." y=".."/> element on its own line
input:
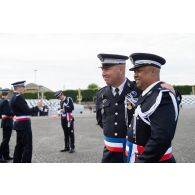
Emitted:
<point x="131" y="99"/>
<point x="129" y="106"/>
<point x="103" y="102"/>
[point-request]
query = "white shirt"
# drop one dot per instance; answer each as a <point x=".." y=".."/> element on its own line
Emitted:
<point x="119" y="87"/>
<point x="149" y="88"/>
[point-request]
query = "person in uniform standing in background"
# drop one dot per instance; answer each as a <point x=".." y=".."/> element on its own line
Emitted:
<point x="114" y="104"/>
<point x="67" y="121"/>
<point x="22" y="123"/>
<point x="44" y="111"/>
<point x="153" y="126"/>
<point x="6" y="125"/>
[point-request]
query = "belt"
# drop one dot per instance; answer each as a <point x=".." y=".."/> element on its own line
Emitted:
<point x="115" y="144"/>
<point x="5" y="116"/>
<point x="133" y="151"/>
<point x="22" y="118"/>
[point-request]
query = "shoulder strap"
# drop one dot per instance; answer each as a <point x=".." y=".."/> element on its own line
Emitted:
<point x="145" y="115"/>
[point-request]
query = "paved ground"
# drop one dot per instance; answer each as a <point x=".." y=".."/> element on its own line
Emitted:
<point x="48" y="139"/>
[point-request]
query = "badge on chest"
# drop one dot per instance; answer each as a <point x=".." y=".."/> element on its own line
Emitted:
<point x="103" y="105"/>
<point x="129" y="106"/>
<point x="131" y="99"/>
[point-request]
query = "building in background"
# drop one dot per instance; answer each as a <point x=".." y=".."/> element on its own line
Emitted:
<point x="39" y="89"/>
<point x="33" y="88"/>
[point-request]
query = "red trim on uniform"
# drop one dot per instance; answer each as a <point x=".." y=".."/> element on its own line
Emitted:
<point x="22" y="119"/>
<point x="114" y="149"/>
<point x="4" y="117"/>
<point x="166" y="156"/>
<point x="140" y="150"/>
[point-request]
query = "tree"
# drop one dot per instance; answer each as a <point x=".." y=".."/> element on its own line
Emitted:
<point x="93" y="86"/>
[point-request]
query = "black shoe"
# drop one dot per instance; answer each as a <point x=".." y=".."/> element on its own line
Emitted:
<point x="71" y="150"/>
<point x="65" y="150"/>
<point x="2" y="160"/>
<point x="8" y="158"/>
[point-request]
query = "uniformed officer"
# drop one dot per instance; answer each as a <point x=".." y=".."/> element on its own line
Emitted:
<point x="6" y="125"/>
<point x="154" y="123"/>
<point x="67" y="121"/>
<point x="114" y="104"/>
<point x="45" y="111"/>
<point x="22" y="123"/>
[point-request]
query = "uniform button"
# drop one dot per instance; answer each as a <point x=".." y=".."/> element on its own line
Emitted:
<point x="130" y="125"/>
<point x="115" y="123"/>
<point x="116" y="104"/>
<point x="115" y="134"/>
<point x="116" y="113"/>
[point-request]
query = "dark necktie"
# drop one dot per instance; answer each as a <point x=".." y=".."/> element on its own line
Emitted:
<point x="117" y="93"/>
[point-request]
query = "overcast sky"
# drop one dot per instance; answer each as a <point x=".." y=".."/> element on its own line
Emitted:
<point x="69" y="61"/>
<point x="61" y="39"/>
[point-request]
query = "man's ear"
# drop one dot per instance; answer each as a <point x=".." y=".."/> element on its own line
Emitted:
<point x="155" y="70"/>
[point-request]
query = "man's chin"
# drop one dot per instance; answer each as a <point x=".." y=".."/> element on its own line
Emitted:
<point x="107" y="82"/>
<point x="138" y="85"/>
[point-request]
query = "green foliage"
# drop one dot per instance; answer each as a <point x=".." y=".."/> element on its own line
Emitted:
<point x="49" y="95"/>
<point x="71" y="93"/>
<point x="88" y="94"/>
<point x="93" y="86"/>
<point x="184" y="89"/>
<point x="30" y="95"/>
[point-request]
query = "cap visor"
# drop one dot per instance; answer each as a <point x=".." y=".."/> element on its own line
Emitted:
<point x="135" y="67"/>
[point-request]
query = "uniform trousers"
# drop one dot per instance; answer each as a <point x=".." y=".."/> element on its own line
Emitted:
<point x="112" y="157"/>
<point x="23" y="149"/>
<point x="4" y="148"/>
<point x="69" y="138"/>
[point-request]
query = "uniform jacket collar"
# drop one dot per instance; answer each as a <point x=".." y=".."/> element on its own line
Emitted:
<point x="127" y="86"/>
<point x="121" y="87"/>
<point x="149" y="88"/>
<point x="148" y="91"/>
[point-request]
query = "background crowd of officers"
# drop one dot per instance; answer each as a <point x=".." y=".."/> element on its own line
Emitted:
<point x="16" y="114"/>
<point x="138" y="117"/>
